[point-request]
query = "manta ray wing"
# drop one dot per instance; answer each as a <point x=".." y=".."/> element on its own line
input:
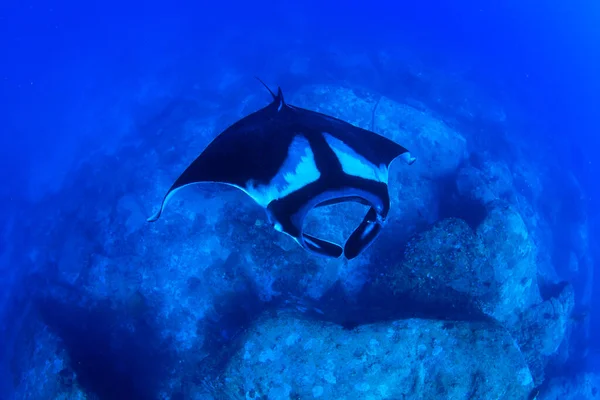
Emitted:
<point x="249" y="151"/>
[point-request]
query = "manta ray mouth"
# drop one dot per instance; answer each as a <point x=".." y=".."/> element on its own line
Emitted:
<point x="361" y="238"/>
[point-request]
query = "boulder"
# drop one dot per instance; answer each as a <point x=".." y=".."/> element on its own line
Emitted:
<point x="490" y="181"/>
<point x="542" y="329"/>
<point x="286" y="357"/>
<point x="584" y="386"/>
<point x="449" y="257"/>
<point x="512" y="255"/>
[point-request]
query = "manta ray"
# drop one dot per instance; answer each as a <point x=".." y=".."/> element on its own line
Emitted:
<point x="290" y="160"/>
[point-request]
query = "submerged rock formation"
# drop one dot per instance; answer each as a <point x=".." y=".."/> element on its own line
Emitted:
<point x="448" y="258"/>
<point x="542" y="328"/>
<point x="493" y="269"/>
<point x="290" y="358"/>
<point x="512" y="255"/>
<point x="584" y="386"/>
<point x="210" y="277"/>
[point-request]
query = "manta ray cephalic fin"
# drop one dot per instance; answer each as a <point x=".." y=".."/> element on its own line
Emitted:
<point x="321" y="247"/>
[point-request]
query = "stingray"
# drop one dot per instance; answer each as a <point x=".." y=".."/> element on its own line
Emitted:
<point x="290" y="160"/>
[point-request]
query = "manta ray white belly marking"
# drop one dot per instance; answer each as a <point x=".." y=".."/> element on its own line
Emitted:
<point x="298" y="170"/>
<point x="353" y="163"/>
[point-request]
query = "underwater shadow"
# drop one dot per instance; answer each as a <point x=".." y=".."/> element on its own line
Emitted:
<point x="112" y="356"/>
<point x="224" y="328"/>
<point x="451" y="204"/>
<point x="373" y="305"/>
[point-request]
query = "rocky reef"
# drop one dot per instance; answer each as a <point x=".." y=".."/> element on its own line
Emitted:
<point x="412" y="358"/>
<point x="456" y="299"/>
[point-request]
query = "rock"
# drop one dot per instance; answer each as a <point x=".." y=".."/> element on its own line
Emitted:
<point x="131" y="211"/>
<point x="493" y="268"/>
<point x="493" y="271"/>
<point x="585" y="386"/>
<point x="484" y="181"/>
<point x="74" y="256"/>
<point x="542" y="328"/>
<point x="491" y="180"/>
<point x="470" y="184"/>
<point x="513" y="257"/>
<point x="286" y="357"/>
<point x="439" y="148"/>
<point x="449" y="256"/>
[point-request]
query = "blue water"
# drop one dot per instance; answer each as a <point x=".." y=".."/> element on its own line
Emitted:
<point x="79" y="79"/>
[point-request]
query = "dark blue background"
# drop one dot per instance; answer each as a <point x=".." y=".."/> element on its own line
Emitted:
<point x="66" y="63"/>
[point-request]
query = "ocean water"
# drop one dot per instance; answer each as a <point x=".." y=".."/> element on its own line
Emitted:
<point x="103" y="105"/>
